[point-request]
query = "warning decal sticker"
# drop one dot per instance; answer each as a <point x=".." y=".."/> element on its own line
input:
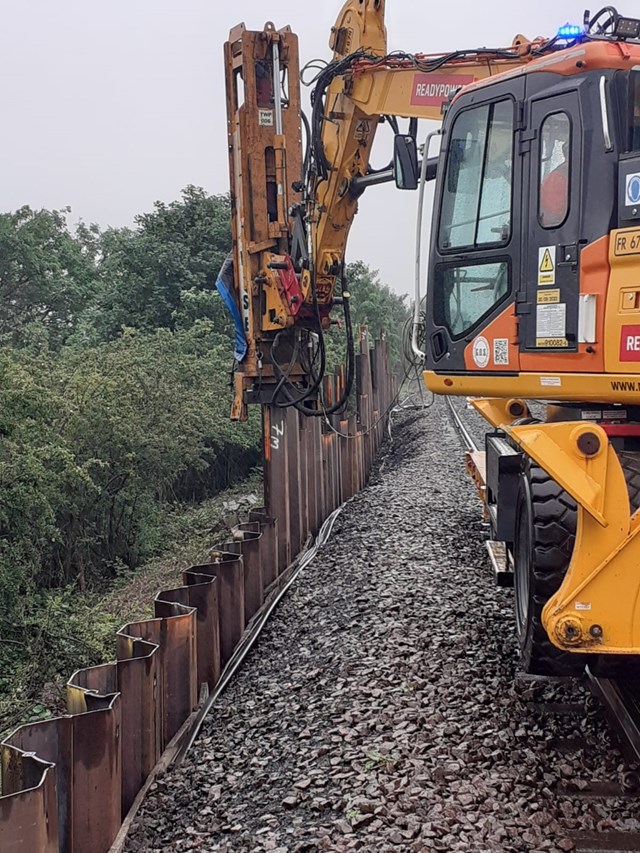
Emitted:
<point x="551" y="320"/>
<point x="362" y="131"/>
<point x="547" y="265"/>
<point x="551" y="325"/>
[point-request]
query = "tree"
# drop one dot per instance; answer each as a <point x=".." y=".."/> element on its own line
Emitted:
<point x="162" y="273"/>
<point x="47" y="277"/>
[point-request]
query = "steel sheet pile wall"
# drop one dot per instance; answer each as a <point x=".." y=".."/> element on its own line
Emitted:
<point x="67" y="783"/>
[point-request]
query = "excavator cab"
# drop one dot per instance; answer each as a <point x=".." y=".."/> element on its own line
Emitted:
<point x="535" y="244"/>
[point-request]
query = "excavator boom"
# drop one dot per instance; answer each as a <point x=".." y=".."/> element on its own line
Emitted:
<point x="292" y="214"/>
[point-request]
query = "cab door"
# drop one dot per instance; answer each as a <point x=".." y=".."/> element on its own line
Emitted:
<point x="548" y="301"/>
<point x="474" y="267"/>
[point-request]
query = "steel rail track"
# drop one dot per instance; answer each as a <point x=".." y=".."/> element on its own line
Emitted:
<point x="465" y="436"/>
<point x="621" y="701"/>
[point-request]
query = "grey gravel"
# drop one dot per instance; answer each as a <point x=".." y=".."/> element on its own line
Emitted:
<point x="382" y="709"/>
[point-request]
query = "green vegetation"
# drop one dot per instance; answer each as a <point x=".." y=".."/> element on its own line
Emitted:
<point x="115" y="352"/>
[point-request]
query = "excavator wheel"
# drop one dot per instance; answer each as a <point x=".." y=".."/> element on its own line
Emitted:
<point x="545" y="532"/>
<point x="546" y="518"/>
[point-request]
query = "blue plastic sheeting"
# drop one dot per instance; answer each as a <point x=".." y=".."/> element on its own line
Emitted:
<point x="224" y="286"/>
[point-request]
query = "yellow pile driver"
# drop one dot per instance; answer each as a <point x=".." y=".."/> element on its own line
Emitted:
<point x="533" y="280"/>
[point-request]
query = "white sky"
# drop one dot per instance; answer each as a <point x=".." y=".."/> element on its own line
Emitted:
<point x="108" y="106"/>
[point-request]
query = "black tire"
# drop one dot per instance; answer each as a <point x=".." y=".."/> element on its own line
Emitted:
<point x="545" y="533"/>
<point x="546" y="518"/>
<point x="631" y="467"/>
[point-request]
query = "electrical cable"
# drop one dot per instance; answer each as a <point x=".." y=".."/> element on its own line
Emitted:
<point x="307" y="146"/>
<point x="392" y="405"/>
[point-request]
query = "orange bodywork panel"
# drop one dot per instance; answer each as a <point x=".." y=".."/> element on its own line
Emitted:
<point x="503" y="328"/>
<point x="622" y="336"/>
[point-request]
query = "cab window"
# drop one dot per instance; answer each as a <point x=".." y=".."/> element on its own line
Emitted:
<point x="476" y="206"/>
<point x="555" y="147"/>
<point x="466" y="293"/>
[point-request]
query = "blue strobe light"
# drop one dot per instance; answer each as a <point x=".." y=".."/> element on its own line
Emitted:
<point x="570" y="31"/>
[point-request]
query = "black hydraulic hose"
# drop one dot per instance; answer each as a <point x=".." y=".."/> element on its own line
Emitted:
<point x="282" y="388"/>
<point x="351" y="363"/>
<point x="307" y="147"/>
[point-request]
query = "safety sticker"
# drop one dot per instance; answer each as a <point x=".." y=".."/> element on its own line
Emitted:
<point x="627" y="243"/>
<point x="265" y="118"/>
<point x="550" y="381"/>
<point x="480" y="352"/>
<point x="547" y="265"/>
<point x="548" y="297"/>
<point x="501" y="351"/>
<point x="551" y="320"/>
<point x="632" y="193"/>
<point x="583" y="605"/>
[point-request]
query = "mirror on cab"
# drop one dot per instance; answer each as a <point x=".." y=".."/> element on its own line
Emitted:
<point x="405" y="161"/>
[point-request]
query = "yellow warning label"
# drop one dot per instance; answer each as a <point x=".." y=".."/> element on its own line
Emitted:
<point x="547" y="265"/>
<point x="546" y="297"/>
<point x="552" y="342"/>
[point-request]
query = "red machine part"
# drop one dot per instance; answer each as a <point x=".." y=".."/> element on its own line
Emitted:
<point x="290" y="286"/>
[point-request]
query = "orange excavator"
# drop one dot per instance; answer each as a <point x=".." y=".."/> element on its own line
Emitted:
<point x="532" y="303"/>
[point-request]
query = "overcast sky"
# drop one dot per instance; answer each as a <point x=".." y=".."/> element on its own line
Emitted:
<point x="108" y="106"/>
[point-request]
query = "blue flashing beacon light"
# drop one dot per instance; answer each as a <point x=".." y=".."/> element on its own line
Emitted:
<point x="570" y="31"/>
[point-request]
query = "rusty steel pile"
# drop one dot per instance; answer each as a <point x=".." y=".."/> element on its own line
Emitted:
<point x="68" y="783"/>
